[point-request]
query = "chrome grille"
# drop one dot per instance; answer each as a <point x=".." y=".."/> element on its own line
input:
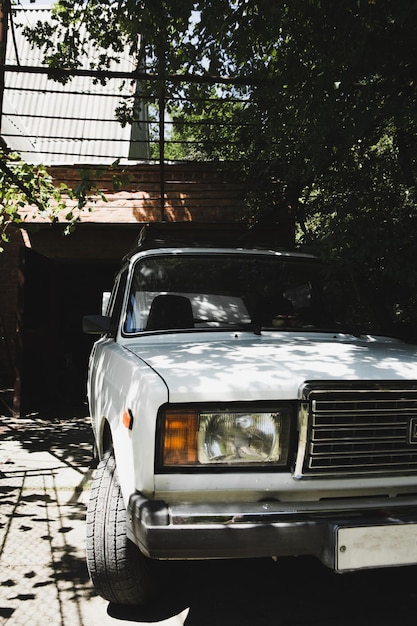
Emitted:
<point x="356" y="429"/>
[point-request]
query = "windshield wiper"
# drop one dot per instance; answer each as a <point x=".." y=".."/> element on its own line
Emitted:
<point x="252" y="326"/>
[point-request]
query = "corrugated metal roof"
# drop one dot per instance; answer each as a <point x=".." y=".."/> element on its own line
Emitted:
<point x="55" y="124"/>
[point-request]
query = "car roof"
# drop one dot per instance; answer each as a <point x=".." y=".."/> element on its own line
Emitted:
<point x="211" y="237"/>
<point x="208" y="250"/>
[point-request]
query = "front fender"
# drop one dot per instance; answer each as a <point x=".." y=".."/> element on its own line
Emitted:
<point x="124" y="382"/>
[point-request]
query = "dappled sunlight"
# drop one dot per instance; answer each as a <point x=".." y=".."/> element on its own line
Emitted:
<point x="44" y="464"/>
<point x="243" y="366"/>
<point x="44" y="578"/>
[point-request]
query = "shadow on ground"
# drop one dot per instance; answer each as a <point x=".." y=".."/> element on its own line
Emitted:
<point x="291" y="592"/>
<point x="43" y="578"/>
<point x="65" y="434"/>
<point x="45" y="464"/>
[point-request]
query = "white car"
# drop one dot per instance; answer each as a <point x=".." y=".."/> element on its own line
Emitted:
<point x="236" y="414"/>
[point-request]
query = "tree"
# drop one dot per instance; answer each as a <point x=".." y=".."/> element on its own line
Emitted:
<point x="22" y="184"/>
<point x="320" y="75"/>
<point x="329" y="90"/>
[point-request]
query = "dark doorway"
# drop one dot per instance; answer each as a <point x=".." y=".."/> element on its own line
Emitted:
<point x="56" y="295"/>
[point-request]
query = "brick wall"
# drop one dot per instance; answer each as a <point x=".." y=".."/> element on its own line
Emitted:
<point x="196" y="192"/>
<point x="191" y="192"/>
<point x="200" y="192"/>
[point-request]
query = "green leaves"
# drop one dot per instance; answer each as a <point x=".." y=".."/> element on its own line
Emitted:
<point x="328" y="129"/>
<point x="24" y="186"/>
<point x="20" y="185"/>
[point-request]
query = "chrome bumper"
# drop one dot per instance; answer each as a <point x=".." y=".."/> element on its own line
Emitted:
<point x="263" y="529"/>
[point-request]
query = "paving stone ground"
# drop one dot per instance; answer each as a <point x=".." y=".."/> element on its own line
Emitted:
<point x="44" y="479"/>
<point x="45" y="472"/>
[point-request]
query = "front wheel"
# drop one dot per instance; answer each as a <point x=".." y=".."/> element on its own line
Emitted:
<point x="118" y="570"/>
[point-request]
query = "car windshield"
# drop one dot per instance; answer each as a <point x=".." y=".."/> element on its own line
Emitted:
<point x="217" y="291"/>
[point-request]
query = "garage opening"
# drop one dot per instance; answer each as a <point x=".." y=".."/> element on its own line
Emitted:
<point x="54" y="358"/>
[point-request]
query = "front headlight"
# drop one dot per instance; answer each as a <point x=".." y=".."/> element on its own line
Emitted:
<point x="225" y="438"/>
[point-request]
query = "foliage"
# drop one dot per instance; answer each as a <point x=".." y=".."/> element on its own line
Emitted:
<point x="22" y="184"/>
<point x="206" y="128"/>
<point x="324" y="124"/>
<point x="363" y="217"/>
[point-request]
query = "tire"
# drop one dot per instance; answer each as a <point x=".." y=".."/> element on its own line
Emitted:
<point x="118" y="570"/>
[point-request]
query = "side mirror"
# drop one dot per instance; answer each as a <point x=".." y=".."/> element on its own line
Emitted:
<point x="96" y="324"/>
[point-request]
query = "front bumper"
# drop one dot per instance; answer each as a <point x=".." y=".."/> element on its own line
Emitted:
<point x="386" y="526"/>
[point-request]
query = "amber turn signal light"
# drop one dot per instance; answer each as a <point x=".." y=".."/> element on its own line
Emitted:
<point x="127" y="419"/>
<point x="180" y="437"/>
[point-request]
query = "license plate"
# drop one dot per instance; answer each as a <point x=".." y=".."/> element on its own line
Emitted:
<point x="376" y="546"/>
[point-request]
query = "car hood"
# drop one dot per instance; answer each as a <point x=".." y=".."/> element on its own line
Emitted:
<point x="243" y="366"/>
